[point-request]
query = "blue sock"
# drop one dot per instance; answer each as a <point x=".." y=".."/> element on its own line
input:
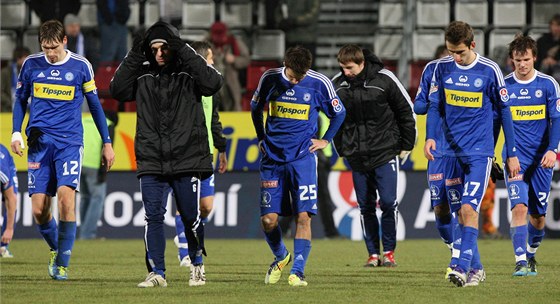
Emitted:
<point x="198" y="258"/>
<point x="519" y="240"/>
<point x="49" y="231"/>
<point x="302" y="247"/>
<point x="535" y="238"/>
<point x="457" y="240"/>
<point x="274" y="240"/>
<point x="183" y="244"/>
<point x="66" y="237"/>
<point x="444" y="225"/>
<point x="468" y="244"/>
<point x="475" y="262"/>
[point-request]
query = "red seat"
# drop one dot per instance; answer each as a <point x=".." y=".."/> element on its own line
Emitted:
<point x="103" y="77"/>
<point x="255" y="71"/>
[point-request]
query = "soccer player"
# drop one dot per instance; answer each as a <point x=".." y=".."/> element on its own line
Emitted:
<point x="9" y="187"/>
<point x="535" y="109"/>
<point x="446" y="222"/>
<point x="215" y="140"/>
<point x="464" y="90"/>
<point x="294" y="94"/>
<point x="57" y="81"/>
<point x="167" y="78"/>
<point x="376" y="137"/>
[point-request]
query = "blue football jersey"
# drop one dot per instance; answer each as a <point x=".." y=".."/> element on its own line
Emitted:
<point x="465" y="97"/>
<point x="57" y="93"/>
<point x="421" y="104"/>
<point x="292" y="112"/>
<point x="533" y="103"/>
<point x="8" y="171"/>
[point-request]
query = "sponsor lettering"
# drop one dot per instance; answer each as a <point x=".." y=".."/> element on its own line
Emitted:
<point x="53" y="91"/>
<point x="269" y="184"/>
<point x="528" y="112"/>
<point x="463" y="99"/>
<point x="289" y="110"/>
<point x="518" y="177"/>
<point x="453" y="181"/>
<point x="32" y="165"/>
<point x="435" y="177"/>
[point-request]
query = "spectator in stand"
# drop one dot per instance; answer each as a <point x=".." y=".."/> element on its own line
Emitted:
<point x="298" y="19"/>
<point x="8" y="78"/>
<point x="112" y="16"/>
<point x="230" y="56"/>
<point x="77" y="42"/>
<point x="548" y="46"/>
<point x="54" y="9"/>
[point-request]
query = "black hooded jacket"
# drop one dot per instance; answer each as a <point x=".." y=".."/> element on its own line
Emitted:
<point x="379" y="120"/>
<point x="171" y="135"/>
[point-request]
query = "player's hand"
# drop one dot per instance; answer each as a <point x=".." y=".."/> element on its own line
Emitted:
<point x="17" y="143"/>
<point x="403" y="156"/>
<point x="429" y="146"/>
<point x="513" y="166"/>
<point x="223" y="162"/>
<point x="8" y="235"/>
<point x="138" y="44"/>
<point x="548" y="159"/>
<point x="108" y="155"/>
<point x="317" y="144"/>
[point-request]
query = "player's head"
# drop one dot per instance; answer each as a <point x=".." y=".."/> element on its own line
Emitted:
<point x="351" y="60"/>
<point x="157" y="37"/>
<point x="297" y="61"/>
<point x="52" y="39"/>
<point x="459" y="41"/>
<point x="523" y="52"/>
<point x="204" y="49"/>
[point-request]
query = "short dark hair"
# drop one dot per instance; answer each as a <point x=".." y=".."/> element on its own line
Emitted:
<point x="351" y="53"/>
<point x="201" y="47"/>
<point x="298" y="59"/>
<point x="521" y="44"/>
<point x="20" y="52"/>
<point x="458" y="32"/>
<point x="554" y="19"/>
<point x="51" y="31"/>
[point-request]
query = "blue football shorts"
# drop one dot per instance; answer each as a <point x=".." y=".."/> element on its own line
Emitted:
<point x="436" y="181"/>
<point x="207" y="187"/>
<point x="466" y="180"/>
<point x="50" y="167"/>
<point x="289" y="188"/>
<point x="530" y="187"/>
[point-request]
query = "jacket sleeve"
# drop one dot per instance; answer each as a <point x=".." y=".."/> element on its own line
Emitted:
<point x="123" y="85"/>
<point x="216" y="126"/>
<point x="406" y="119"/>
<point x="207" y="78"/>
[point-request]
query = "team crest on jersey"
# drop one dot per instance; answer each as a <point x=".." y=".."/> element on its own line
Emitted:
<point x="433" y="88"/>
<point x="265" y="199"/>
<point x="336" y="105"/>
<point x="504" y="94"/>
<point x="69" y="76"/>
<point x="453" y="181"/>
<point x="434" y="192"/>
<point x="513" y="191"/>
<point x="454" y="196"/>
<point x="18" y="85"/>
<point x="478" y="82"/>
<point x="33" y="165"/>
<point x="30" y="180"/>
<point x="538" y="93"/>
<point x="306" y="97"/>
<point x="269" y="184"/>
<point x="435" y="177"/>
<point x="255" y="98"/>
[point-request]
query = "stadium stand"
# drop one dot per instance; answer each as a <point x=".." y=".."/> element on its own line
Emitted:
<point x="509" y="13"/>
<point x="429" y="13"/>
<point x="198" y="14"/>
<point x="8" y="42"/>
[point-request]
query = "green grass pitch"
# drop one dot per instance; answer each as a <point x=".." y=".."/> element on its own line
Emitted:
<point x="107" y="271"/>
